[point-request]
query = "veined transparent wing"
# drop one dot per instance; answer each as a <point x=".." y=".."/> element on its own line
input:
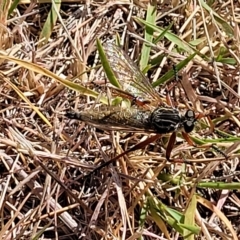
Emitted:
<point x="129" y="75"/>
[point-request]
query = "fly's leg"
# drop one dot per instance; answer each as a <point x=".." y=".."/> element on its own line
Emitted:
<point x="134" y="148"/>
<point x="170" y="145"/>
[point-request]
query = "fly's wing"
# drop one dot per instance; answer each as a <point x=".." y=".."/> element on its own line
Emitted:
<point x="129" y="75"/>
<point x="115" y="118"/>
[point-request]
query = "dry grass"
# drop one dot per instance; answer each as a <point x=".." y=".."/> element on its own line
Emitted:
<point x="45" y="157"/>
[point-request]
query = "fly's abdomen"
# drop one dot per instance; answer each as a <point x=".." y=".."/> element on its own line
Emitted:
<point x="127" y="119"/>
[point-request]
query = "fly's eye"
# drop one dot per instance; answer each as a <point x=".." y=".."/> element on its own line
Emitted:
<point x="190" y="114"/>
<point x="188" y="126"/>
<point x="189" y="121"/>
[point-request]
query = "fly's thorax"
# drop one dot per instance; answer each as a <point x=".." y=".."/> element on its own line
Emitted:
<point x="165" y="120"/>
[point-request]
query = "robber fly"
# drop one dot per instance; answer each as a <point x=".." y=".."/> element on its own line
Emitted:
<point x="148" y="113"/>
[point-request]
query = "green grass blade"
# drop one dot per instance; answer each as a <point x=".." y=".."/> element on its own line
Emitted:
<point x="157" y="218"/>
<point x="106" y="66"/>
<point x="222" y="22"/>
<point x="189" y="217"/>
<point x="151" y="18"/>
<point x="162" y="34"/>
<point x="170" y="74"/>
<point x="170" y="36"/>
<point x="50" y="22"/>
<point x="13" y="6"/>
<point x="219" y="185"/>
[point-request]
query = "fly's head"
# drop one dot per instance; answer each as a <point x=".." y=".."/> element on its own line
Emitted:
<point x="189" y="120"/>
